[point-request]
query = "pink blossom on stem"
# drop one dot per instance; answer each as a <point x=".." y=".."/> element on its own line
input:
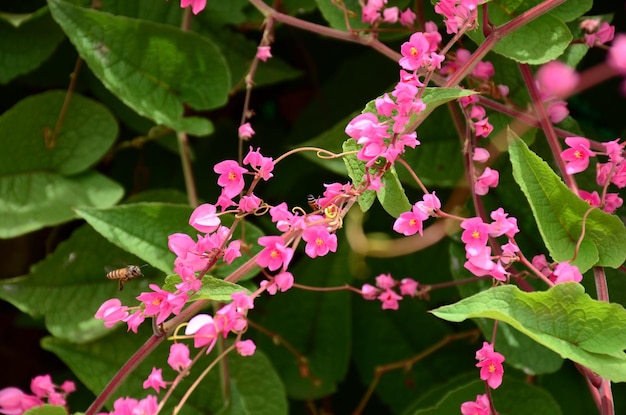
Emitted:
<point x="475" y="234"/>
<point x="204" y="331"/>
<point x="483" y="128"/>
<point x="479" y="407"/>
<point x="577" y="156"/>
<point x="126" y="406"/>
<point x="385" y="281"/>
<point x="414" y="51"/>
<point x="245" y="131"/>
<point x="477" y="112"/>
<point x="541" y="263"/>
<point x="319" y="241"/>
<point x="155" y="380"/>
<point x="490" y="364"/>
<point x="391" y="14"/>
<point x="250" y="203"/>
<point x="261" y="164"/>
<point x="410" y="223"/>
<point x="275" y="254"/>
<point x="480" y="155"/>
<point x="592" y="198"/>
<point x="557" y="111"/>
<point x="565" y="272"/>
<point x="488" y="179"/>
<point x="430" y="204"/>
<point x="282" y="217"/>
<point x="284" y="281"/>
<point x="264" y="53"/>
<point x="112" y="311"/>
<point x="408" y="286"/>
<point x="407" y="18"/>
<point x="162" y="303"/>
<point x="232" y="252"/>
<point x="15" y="402"/>
<point x="178" y="358"/>
<point x="204" y="218"/>
<point x="612" y="201"/>
<point x="42" y="385"/>
<point x="134" y="321"/>
<point x="196" y="5"/>
<point x="484" y="70"/>
<point x="390" y="299"/>
<point x="231" y="177"/>
<point x="369" y="292"/>
<point x="502" y="224"/>
<point x="245" y="347"/>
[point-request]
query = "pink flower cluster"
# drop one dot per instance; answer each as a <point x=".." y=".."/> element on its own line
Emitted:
<point x="385" y="291"/>
<point x="557" y="273"/>
<point x="597" y="32"/>
<point x="410" y="223"/>
<point x="476" y="234"/>
<point x="13" y="401"/>
<point x="613" y="171"/>
<point x="491" y="371"/>
<point x="375" y="12"/>
<point x="206" y="329"/>
<point x="125" y="406"/>
<point x="457" y="13"/>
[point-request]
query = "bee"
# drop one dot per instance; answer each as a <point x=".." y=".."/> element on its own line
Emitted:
<point x="312" y="201"/>
<point x="125" y="274"/>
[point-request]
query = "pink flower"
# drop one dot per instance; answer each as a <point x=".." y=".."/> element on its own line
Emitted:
<point x="385" y="281"/>
<point x="612" y="202"/>
<point x="245" y="131"/>
<point x="262" y="165"/>
<point x="430" y="204"/>
<point x="488" y="179"/>
<point x="483" y="128"/>
<point x="617" y="54"/>
<point x="127" y="406"/>
<point x="390" y="299"/>
<point x="477" y="112"/>
<point x="484" y="70"/>
<point x="204" y="331"/>
<point x="592" y="198"/>
<point x="319" y="241"/>
<point x="204" y="218"/>
<point x="264" y="53"/>
<point x="408" y="286"/>
<point x="250" y="203"/>
<point x="479" y="407"/>
<point x="196" y="5"/>
<point x="155" y="380"/>
<point x="410" y="223"/>
<point x="414" y="51"/>
<point x="15" y="402"/>
<point x="284" y="281"/>
<point x="112" y="311"/>
<point x="475" y="234"/>
<point x="502" y="224"/>
<point x="275" y="254"/>
<point x="391" y="14"/>
<point x="557" y="111"/>
<point x="369" y="292"/>
<point x="281" y="216"/>
<point x="245" y="347"/>
<point x="407" y="17"/>
<point x="162" y="303"/>
<point x="479" y="262"/>
<point x="577" y="155"/>
<point x="231" y="177"/>
<point x="481" y="155"/>
<point x="42" y="386"/>
<point x="490" y="364"/>
<point x="178" y="358"/>
<point x="564" y="272"/>
<point x="134" y="321"/>
<point x="541" y="263"/>
<point x="556" y="79"/>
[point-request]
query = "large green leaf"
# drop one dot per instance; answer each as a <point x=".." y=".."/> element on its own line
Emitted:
<point x="521" y="351"/>
<point x="27" y="41"/>
<point x="88" y="131"/>
<point x="564" y="319"/>
<point x="30" y="201"/>
<point x="142" y="229"/>
<point x="559" y="214"/>
<point x="539" y="41"/>
<point x="258" y="387"/>
<point x="154" y="68"/>
<point x="69" y="285"/>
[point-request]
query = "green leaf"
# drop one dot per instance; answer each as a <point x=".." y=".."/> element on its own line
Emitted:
<point x="559" y="214"/>
<point x="27" y="41"/>
<point x="142" y="229"/>
<point x="88" y="131"/>
<point x="537" y="42"/>
<point x="47" y="409"/>
<point x="513" y="397"/>
<point x="32" y="201"/>
<point x="153" y="68"/>
<point x="564" y="319"/>
<point x="212" y="288"/>
<point x="69" y="285"/>
<point x="258" y="387"/>
<point x="392" y="196"/>
<point x="521" y="351"/>
<point x="571" y="9"/>
<point x="356" y="171"/>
